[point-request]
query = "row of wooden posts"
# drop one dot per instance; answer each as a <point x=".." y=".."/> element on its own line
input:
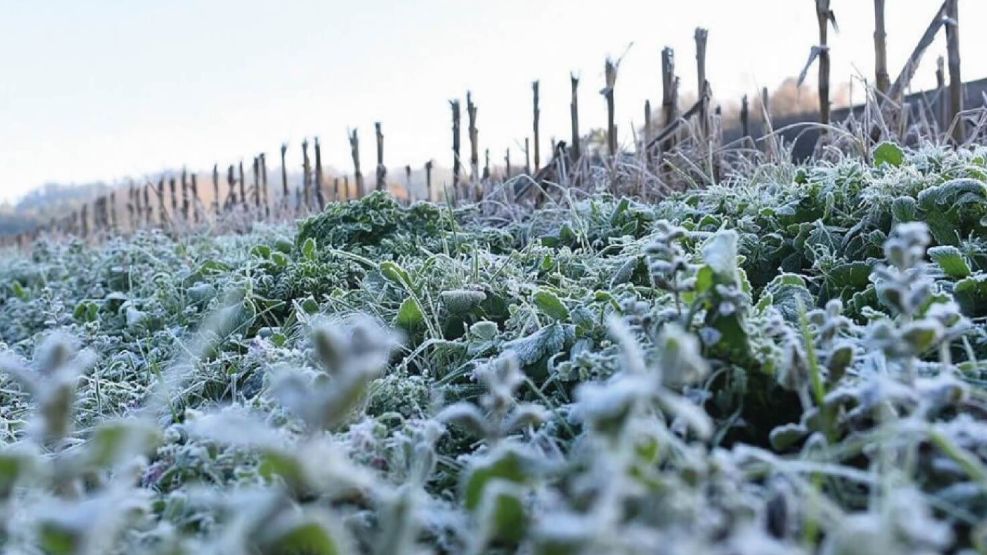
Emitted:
<point x="147" y="205"/>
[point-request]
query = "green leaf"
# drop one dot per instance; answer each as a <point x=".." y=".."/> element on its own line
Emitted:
<point x="840" y="358"/>
<point x="502" y="512"/>
<point x="284" y="245"/>
<point x="704" y="279"/>
<point x="275" y="464"/>
<point x="619" y="210"/>
<point x="55" y="539"/>
<point x="112" y="441"/>
<point x="506" y="463"/>
<point x="308" y="249"/>
<point x="904" y="209"/>
<point x="19" y="291"/>
<point x="922" y="335"/>
<point x="86" y="311"/>
<point x="261" y="251"/>
<point x="951" y="260"/>
<point x="280" y="259"/>
<point x="971" y="294"/>
<point x="309" y="305"/>
<point x="787" y="435"/>
<point x="395" y="273"/>
<point x="410" y="314"/>
<point x="789" y="295"/>
<point x="954" y="209"/>
<point x="13" y="466"/>
<point x="307" y="536"/>
<point x="547" y="302"/>
<point x="888" y="153"/>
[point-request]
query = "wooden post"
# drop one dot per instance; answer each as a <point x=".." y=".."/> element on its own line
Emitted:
<point x="335" y="190"/>
<point x="745" y="126"/>
<point x="186" y="202"/>
<point x="407" y="181"/>
<point x="194" y="188"/>
<point x="703" y="84"/>
<point x="955" y="82"/>
<point x="306" y="177"/>
<point x="904" y="78"/>
<point x="162" y="211"/>
<point x="320" y="198"/>
<point x="454" y="105"/>
<point x="574" y="116"/>
<point x="138" y="207"/>
<point x="113" y="211"/>
<point x="823" y="15"/>
<point x="215" y="187"/>
<point x="881" y="77"/>
<point x="243" y="186"/>
<point x="648" y="131"/>
<point x="285" y="196"/>
<point x="771" y="144"/>
<point x="174" y="196"/>
<point x="381" y="169"/>
<point x="256" y="188"/>
<point x="95" y="226"/>
<point x="942" y="116"/>
<point x="669" y="91"/>
<point x="147" y="203"/>
<point x="231" y="183"/>
<point x="507" y="164"/>
<point x="527" y="157"/>
<point x="265" y="191"/>
<point x="346" y="186"/>
<point x="486" y="163"/>
<point x="536" y="115"/>
<point x="84" y="220"/>
<point x="610" y="71"/>
<point x="355" y="151"/>
<point x="428" y="180"/>
<point x="473" y="136"/>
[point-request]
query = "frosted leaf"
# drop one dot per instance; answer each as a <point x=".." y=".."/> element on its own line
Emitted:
<point x="691" y="414"/>
<point x="633" y="356"/>
<point x="605" y="407"/>
<point x="461" y="301"/>
<point x="237" y="427"/>
<point x="680" y="360"/>
<point x="544" y="342"/>
<point x="484" y="330"/>
<point x="720" y="253"/>
<point x="465" y="415"/>
<point x="524" y="415"/>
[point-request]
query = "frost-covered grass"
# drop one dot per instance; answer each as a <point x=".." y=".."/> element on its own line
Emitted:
<point x="787" y="363"/>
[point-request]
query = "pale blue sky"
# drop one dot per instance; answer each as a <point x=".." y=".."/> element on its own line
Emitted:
<point x="105" y="89"/>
